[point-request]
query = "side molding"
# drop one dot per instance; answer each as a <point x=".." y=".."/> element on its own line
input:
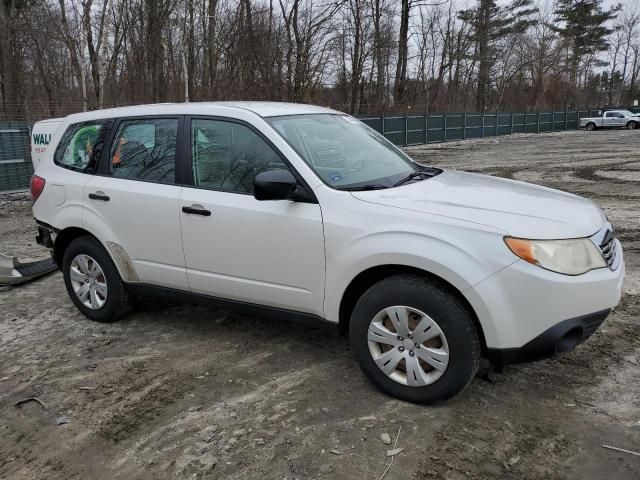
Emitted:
<point x="293" y="316"/>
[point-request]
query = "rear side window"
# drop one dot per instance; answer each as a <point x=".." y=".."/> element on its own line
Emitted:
<point x="78" y="149"/>
<point x="145" y="149"/>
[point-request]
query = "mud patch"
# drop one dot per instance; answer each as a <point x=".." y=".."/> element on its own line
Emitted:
<point x="495" y="448"/>
<point x="143" y="402"/>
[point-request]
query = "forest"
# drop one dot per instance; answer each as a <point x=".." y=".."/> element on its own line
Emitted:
<point x="358" y="56"/>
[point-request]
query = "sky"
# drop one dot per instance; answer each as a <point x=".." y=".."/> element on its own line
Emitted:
<point x="611" y="3"/>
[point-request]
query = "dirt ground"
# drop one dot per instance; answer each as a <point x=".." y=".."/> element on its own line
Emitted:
<point x="186" y="391"/>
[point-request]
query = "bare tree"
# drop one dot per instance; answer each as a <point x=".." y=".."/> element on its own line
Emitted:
<point x="60" y="56"/>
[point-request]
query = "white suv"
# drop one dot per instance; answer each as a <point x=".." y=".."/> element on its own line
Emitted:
<point x="306" y="213"/>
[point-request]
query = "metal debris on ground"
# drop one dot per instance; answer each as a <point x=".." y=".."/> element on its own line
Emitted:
<point x="62" y="420"/>
<point x="395" y="445"/>
<point x="394" y="452"/>
<point x="19" y="403"/>
<point x="609" y="447"/>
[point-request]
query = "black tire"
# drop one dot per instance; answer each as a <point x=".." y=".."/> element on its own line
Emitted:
<point x="590" y="127"/>
<point x="632" y="125"/>
<point x="445" y="309"/>
<point x="117" y="301"/>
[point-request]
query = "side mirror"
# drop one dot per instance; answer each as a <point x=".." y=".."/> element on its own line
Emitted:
<point x="274" y="185"/>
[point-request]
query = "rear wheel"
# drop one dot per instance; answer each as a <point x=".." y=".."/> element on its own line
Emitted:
<point x="632" y="125"/>
<point x="414" y="339"/>
<point x="591" y="126"/>
<point x="93" y="282"/>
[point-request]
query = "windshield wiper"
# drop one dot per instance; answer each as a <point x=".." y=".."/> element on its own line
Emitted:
<point x="412" y="176"/>
<point x="371" y="186"/>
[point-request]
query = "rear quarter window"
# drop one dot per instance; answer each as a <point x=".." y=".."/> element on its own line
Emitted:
<point x="80" y="144"/>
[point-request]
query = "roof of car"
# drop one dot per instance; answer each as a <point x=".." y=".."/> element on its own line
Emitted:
<point x="262" y="109"/>
<point x="272" y="109"/>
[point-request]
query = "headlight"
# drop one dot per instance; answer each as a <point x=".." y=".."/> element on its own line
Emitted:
<point x="570" y="257"/>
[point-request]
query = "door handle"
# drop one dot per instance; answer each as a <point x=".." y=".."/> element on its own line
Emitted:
<point x="99" y="196"/>
<point x="197" y="210"/>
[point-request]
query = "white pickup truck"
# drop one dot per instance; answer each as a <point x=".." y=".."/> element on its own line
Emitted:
<point x="611" y="119"/>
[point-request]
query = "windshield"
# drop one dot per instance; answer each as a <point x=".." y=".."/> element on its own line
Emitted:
<point x="344" y="152"/>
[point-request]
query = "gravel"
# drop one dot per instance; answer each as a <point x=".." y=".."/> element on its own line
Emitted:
<point x="297" y="392"/>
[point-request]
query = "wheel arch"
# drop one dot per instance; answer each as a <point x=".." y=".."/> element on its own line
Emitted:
<point x="367" y="278"/>
<point x="116" y="252"/>
<point x="64" y="238"/>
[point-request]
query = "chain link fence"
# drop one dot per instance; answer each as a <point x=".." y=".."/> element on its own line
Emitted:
<point x="402" y="129"/>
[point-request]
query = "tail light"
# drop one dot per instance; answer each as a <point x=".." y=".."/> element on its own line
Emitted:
<point x="37" y="185"/>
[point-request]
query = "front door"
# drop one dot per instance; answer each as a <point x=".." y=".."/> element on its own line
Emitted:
<point x="133" y="201"/>
<point x="614" y="119"/>
<point x="236" y="247"/>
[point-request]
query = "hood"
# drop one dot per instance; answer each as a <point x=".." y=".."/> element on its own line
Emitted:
<point x="511" y="207"/>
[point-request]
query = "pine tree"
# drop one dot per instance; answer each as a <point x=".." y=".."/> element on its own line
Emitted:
<point x="490" y="23"/>
<point x="583" y="24"/>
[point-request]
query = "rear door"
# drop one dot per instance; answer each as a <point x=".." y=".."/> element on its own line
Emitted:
<point x="132" y="203"/>
<point x="236" y="247"/>
<point x="608" y="120"/>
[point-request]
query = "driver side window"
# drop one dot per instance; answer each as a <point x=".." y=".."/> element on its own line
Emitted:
<point x="227" y="156"/>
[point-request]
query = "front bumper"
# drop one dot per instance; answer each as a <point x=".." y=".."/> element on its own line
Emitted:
<point x="560" y="338"/>
<point x="525" y="308"/>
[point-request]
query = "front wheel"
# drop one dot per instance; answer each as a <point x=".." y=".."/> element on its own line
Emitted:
<point x="632" y="125"/>
<point x="414" y="339"/>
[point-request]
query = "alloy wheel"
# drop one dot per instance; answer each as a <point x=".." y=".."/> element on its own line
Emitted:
<point x="88" y="281"/>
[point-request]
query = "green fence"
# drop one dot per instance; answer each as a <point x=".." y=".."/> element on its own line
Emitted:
<point x="418" y="129"/>
<point x="15" y="156"/>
